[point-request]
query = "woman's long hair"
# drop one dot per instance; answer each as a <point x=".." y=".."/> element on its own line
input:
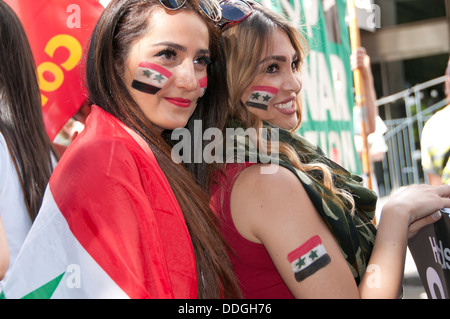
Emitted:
<point x="21" y="121"/>
<point x="243" y="45"/>
<point x="122" y="24"/>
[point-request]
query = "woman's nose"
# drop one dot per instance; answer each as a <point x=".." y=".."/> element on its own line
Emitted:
<point x="185" y="76"/>
<point x="293" y="83"/>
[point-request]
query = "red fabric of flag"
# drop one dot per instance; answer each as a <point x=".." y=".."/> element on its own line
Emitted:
<point x="58" y="32"/>
<point x="121" y="208"/>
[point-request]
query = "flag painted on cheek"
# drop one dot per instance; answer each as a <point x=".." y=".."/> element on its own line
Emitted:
<point x="261" y="96"/>
<point x="150" y="78"/>
<point x="308" y="258"/>
<point x="203" y="83"/>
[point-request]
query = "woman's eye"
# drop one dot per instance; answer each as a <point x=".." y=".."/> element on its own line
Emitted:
<point x="295" y="65"/>
<point x="203" y="61"/>
<point x="272" y="68"/>
<point x="167" y="54"/>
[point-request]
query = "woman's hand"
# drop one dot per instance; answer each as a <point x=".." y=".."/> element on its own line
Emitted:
<point x="419" y="204"/>
<point x="359" y="59"/>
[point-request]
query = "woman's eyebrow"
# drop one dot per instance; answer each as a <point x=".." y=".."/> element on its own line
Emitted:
<point x="280" y="58"/>
<point x="175" y="46"/>
<point x="203" y="52"/>
<point x="179" y="47"/>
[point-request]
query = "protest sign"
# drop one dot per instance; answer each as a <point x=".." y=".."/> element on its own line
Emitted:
<point x="430" y="249"/>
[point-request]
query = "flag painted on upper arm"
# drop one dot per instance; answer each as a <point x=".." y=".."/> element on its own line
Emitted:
<point x="308" y="258"/>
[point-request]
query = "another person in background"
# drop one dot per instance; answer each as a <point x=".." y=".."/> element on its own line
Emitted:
<point x="300" y="225"/>
<point x="435" y="143"/>
<point x="72" y="128"/>
<point x="374" y="125"/>
<point x="118" y="209"/>
<point x="68" y="133"/>
<point x="27" y="158"/>
<point x="361" y="60"/>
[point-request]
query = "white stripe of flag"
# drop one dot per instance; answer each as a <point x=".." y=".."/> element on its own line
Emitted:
<point x="261" y="96"/>
<point x="62" y="268"/>
<point x="150" y="77"/>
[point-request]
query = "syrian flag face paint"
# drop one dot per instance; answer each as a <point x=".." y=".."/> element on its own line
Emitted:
<point x="150" y="78"/>
<point x="308" y="258"/>
<point x="203" y="82"/>
<point x="261" y="96"/>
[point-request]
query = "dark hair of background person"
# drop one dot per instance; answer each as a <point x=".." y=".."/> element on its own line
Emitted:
<point x="21" y="120"/>
<point x="122" y="24"/>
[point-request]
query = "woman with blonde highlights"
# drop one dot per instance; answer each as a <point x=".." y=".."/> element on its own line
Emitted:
<point x="303" y="230"/>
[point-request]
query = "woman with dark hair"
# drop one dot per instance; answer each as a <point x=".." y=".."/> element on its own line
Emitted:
<point x="120" y="218"/>
<point x="26" y="161"/>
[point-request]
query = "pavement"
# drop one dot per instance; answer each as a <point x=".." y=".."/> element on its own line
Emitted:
<point x="412" y="285"/>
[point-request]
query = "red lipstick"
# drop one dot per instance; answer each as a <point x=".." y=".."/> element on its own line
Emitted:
<point x="179" y="101"/>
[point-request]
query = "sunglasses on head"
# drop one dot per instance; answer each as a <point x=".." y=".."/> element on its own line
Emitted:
<point x="233" y="12"/>
<point x="210" y="7"/>
<point x="226" y="12"/>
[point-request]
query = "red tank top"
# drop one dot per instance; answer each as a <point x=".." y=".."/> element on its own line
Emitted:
<point x="257" y="275"/>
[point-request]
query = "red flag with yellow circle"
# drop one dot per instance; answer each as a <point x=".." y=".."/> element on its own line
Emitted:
<point x="58" y="32"/>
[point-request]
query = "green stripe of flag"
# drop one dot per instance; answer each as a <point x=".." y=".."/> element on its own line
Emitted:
<point x="44" y="292"/>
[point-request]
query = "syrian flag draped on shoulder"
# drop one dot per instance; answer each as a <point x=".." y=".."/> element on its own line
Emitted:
<point x="109" y="227"/>
<point x="58" y="32"/>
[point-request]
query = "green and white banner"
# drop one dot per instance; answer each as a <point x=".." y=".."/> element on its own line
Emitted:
<point x="328" y="96"/>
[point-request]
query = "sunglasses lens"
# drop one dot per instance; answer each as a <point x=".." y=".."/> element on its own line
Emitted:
<point x="235" y="10"/>
<point x="212" y="9"/>
<point x="172" y="4"/>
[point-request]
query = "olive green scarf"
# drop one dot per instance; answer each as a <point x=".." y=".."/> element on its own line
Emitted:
<point x="355" y="233"/>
